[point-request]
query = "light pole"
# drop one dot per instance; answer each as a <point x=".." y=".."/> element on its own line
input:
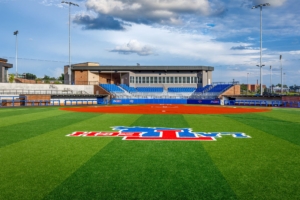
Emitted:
<point x="16" y="34"/>
<point x="271" y="88"/>
<point x="70" y="4"/>
<point x="280" y="57"/>
<point x="284" y="79"/>
<point x="260" y="66"/>
<point x="247" y="83"/>
<point x="261" y="6"/>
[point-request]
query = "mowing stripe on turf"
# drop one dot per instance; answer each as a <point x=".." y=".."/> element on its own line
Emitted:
<point x="147" y="170"/>
<point x="16" y="111"/>
<point x="17" y="119"/>
<point x="263" y="167"/>
<point x="30" y="169"/>
<point x="283" y="115"/>
<point x="286" y="130"/>
<point x="22" y="131"/>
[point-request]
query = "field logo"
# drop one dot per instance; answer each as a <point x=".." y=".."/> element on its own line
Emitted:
<point x="158" y="133"/>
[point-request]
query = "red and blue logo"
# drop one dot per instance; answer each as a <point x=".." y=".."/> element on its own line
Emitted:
<point x="158" y="133"/>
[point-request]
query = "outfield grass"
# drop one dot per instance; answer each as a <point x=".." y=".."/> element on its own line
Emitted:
<point x="38" y="161"/>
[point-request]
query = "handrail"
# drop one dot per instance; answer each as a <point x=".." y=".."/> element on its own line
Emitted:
<point x="24" y="91"/>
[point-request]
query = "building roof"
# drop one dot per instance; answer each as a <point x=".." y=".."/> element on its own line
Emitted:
<point x="3" y="60"/>
<point x="3" y="63"/>
<point x="96" y="67"/>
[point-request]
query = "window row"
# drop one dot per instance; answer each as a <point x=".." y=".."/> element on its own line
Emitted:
<point x="154" y="79"/>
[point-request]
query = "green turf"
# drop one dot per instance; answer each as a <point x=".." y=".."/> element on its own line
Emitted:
<point x="282" y="128"/>
<point x="263" y="167"/>
<point x="38" y="161"/>
<point x="7" y="112"/>
<point x="138" y="168"/>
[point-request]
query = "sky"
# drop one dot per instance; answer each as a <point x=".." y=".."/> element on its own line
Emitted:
<point x="224" y="34"/>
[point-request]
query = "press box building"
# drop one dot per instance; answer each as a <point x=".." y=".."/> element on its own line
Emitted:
<point x="91" y="73"/>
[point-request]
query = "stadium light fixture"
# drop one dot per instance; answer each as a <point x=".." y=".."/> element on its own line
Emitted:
<point x="16" y="34"/>
<point x="261" y="6"/>
<point x="70" y="4"/>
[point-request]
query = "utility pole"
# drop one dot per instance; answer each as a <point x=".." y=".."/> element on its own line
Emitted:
<point x="16" y="34"/>
<point x="70" y="4"/>
<point x="280" y="57"/>
<point x="260" y="65"/>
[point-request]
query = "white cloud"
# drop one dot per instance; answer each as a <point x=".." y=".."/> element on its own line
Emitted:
<point x="294" y="52"/>
<point x="133" y="46"/>
<point x="272" y="2"/>
<point x="148" y="12"/>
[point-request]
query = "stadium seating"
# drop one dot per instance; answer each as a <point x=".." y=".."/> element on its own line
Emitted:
<point x="203" y="89"/>
<point x="181" y="89"/>
<point x="128" y="89"/>
<point x="150" y="89"/>
<point x="112" y="88"/>
<point x="220" y="88"/>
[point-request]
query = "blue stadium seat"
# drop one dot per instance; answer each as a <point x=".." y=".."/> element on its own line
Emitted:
<point x="150" y="89"/>
<point x="112" y="88"/>
<point x="181" y="89"/>
<point x="128" y="89"/>
<point x="203" y="89"/>
<point x="220" y="88"/>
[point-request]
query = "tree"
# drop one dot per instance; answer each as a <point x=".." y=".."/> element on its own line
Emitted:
<point x="46" y="77"/>
<point x="62" y="77"/>
<point x="243" y="87"/>
<point x="30" y="76"/>
<point x="11" y="78"/>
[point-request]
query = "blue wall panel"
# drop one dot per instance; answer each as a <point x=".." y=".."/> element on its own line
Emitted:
<point x="206" y="101"/>
<point x="148" y="101"/>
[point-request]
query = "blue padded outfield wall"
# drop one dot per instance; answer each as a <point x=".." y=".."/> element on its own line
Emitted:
<point x="205" y="101"/>
<point x="148" y="101"/>
<point x="165" y="101"/>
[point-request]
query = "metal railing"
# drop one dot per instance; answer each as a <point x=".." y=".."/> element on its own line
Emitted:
<point x="25" y="91"/>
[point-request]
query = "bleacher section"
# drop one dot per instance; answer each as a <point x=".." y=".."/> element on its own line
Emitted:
<point x="203" y="89"/>
<point x="181" y="89"/>
<point x="128" y="89"/>
<point x="220" y="88"/>
<point x="150" y="89"/>
<point x="112" y="88"/>
<point x="207" y="92"/>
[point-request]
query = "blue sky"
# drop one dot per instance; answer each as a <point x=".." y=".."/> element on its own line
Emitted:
<point x="224" y="34"/>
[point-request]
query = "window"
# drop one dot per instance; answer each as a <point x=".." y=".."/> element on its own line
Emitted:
<point x="179" y="80"/>
<point x="188" y="79"/>
<point x="155" y="79"/>
<point x="192" y="79"/>
<point x="140" y="79"/>
<point x="151" y="79"/>
<point x="168" y="78"/>
<point x="183" y="79"/>
<point x="164" y="79"/>
<point x="147" y="79"/>
<point x="144" y="79"/>
<point x="159" y="79"/>
<point x="176" y="79"/>
<point x="131" y="79"/>
<point x="195" y="79"/>
<point x="199" y="80"/>
<point x="136" y="79"/>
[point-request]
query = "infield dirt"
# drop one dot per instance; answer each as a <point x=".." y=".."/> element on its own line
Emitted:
<point x="166" y="109"/>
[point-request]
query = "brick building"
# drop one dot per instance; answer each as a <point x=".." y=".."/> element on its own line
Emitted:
<point x="90" y="73"/>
